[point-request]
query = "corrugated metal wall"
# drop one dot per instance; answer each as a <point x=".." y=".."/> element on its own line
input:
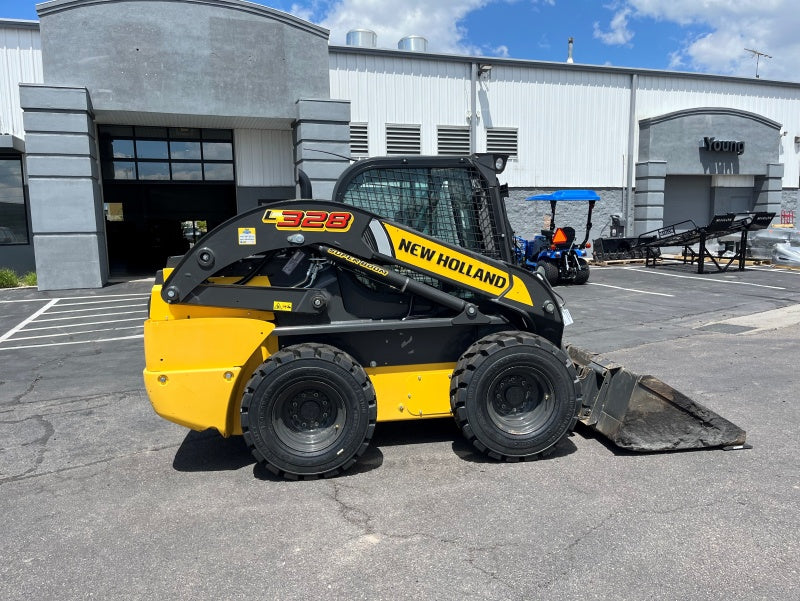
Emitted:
<point x="20" y="62"/>
<point x="573" y="123"/>
<point x="263" y="157"/>
<point x="385" y="89"/>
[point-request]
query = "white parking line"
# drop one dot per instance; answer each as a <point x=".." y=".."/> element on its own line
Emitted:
<point x="76" y="333"/>
<point x="131" y="295"/>
<point x="25" y="300"/>
<point x="10" y="348"/>
<point x="775" y="269"/>
<point x="694" y="277"/>
<point x="144" y="311"/>
<point x="27" y="320"/>
<point x="95" y="309"/>
<point x="631" y="289"/>
<point x="99" y="302"/>
<point x="78" y="325"/>
<point x="79" y="322"/>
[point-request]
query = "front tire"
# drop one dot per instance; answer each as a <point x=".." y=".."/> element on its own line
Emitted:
<point x="514" y="395"/>
<point x="583" y="272"/>
<point x="308" y="411"/>
<point x="549" y="270"/>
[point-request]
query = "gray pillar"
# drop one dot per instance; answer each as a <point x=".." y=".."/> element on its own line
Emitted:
<point x="648" y="210"/>
<point x="322" y="142"/>
<point x="769" y="189"/>
<point x="67" y="218"/>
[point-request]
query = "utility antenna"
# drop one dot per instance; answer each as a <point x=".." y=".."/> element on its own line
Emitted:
<point x="758" y="56"/>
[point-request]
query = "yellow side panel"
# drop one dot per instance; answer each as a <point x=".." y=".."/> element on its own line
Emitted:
<point x="193" y="367"/>
<point x="412" y="391"/>
<point x="197" y="399"/>
<point x="203" y="343"/>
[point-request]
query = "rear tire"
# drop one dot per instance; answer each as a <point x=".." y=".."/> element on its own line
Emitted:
<point x="549" y="270"/>
<point x="514" y="395"/>
<point x="583" y="272"/>
<point x="308" y="411"/>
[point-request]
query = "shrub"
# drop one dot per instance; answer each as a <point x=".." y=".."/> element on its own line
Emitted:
<point x="8" y="279"/>
<point x="29" y="279"/>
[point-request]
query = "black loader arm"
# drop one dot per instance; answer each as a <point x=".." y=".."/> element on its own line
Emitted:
<point x="372" y="246"/>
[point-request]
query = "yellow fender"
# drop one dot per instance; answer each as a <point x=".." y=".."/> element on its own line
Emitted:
<point x="196" y="369"/>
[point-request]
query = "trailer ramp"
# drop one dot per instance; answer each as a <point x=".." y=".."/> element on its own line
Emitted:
<point x="687" y="234"/>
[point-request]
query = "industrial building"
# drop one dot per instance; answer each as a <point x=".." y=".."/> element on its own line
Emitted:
<point x="126" y="123"/>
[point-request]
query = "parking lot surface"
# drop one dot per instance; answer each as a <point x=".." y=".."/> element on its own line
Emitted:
<point x="101" y="498"/>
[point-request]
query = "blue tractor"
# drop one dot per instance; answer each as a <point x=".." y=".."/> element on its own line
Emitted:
<point x="554" y="253"/>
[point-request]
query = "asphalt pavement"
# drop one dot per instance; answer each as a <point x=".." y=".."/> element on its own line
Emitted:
<point x="102" y="499"/>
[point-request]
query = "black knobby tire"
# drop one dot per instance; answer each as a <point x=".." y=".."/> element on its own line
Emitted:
<point x="308" y="411"/>
<point x="583" y="272"/>
<point x="514" y="395"/>
<point x="549" y="270"/>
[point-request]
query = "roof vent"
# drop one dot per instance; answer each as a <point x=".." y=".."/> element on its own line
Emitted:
<point x="362" y="38"/>
<point x="413" y="43"/>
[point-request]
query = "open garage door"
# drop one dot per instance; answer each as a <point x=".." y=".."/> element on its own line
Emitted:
<point x="145" y="224"/>
<point x="163" y="187"/>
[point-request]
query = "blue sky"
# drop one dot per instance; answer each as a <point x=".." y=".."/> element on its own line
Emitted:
<point x="707" y="36"/>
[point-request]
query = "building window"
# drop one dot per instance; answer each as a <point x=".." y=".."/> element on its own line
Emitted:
<point x="13" y="208"/>
<point x="403" y="139"/>
<point x="178" y="154"/>
<point x="359" y="144"/>
<point x="502" y="140"/>
<point x="452" y="140"/>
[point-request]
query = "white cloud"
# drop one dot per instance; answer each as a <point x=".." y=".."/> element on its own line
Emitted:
<point x="438" y="22"/>
<point x="727" y="28"/>
<point x="619" y="34"/>
<point x="501" y="50"/>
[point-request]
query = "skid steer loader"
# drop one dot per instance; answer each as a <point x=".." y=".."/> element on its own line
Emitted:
<point x="301" y="324"/>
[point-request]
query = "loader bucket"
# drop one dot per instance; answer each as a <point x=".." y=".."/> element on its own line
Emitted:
<point x="642" y="413"/>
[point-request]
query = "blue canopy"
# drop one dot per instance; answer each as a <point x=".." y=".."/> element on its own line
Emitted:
<point x="567" y="195"/>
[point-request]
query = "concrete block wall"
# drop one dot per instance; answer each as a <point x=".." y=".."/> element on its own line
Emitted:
<point x="527" y="217"/>
<point x="648" y="212"/>
<point x="322" y="142"/>
<point x="67" y="220"/>
<point x="769" y="195"/>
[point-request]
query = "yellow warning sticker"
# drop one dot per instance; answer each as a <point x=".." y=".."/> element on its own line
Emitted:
<point x="281" y="306"/>
<point x="247" y="236"/>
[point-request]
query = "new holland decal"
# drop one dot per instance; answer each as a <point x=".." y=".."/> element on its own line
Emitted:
<point x="309" y="221"/>
<point x="446" y="262"/>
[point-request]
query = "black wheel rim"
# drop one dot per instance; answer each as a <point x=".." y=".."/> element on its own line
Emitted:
<point x="309" y="415"/>
<point x="521" y="400"/>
